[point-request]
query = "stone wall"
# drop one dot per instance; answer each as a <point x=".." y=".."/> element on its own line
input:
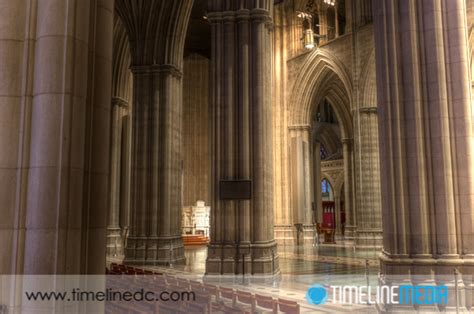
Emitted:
<point x="196" y="130"/>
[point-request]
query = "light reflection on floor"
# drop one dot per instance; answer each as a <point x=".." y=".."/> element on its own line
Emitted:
<point x="300" y="268"/>
<point x="302" y="260"/>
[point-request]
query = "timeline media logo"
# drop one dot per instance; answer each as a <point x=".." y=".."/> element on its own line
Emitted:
<point x="405" y="294"/>
<point x="316" y="295"/>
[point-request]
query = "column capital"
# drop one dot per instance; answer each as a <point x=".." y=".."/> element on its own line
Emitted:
<point x="156" y="68"/>
<point x="214" y="17"/>
<point x="302" y="127"/>
<point x="242" y="15"/>
<point x="119" y="102"/>
<point x="347" y="141"/>
<point x="260" y="15"/>
<point x="368" y="110"/>
<point x="228" y="17"/>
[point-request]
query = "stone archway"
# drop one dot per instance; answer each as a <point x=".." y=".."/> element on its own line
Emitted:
<point x="321" y="76"/>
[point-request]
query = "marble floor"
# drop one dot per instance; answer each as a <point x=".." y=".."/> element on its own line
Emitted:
<point x="300" y="268"/>
<point x="301" y="260"/>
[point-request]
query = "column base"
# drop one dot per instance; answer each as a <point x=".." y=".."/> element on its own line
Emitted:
<point x="424" y="269"/>
<point x="251" y="259"/>
<point x="154" y="250"/>
<point x="284" y="234"/>
<point x="369" y="239"/>
<point x="114" y="243"/>
<point x="350" y="232"/>
<point x="287" y="235"/>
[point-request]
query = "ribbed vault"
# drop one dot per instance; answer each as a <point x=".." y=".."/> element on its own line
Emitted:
<point x="156" y="30"/>
<point x="121" y="75"/>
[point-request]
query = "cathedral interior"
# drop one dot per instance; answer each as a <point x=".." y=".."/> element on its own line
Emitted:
<point x="262" y="139"/>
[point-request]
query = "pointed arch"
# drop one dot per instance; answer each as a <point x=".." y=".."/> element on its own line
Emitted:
<point x="322" y="75"/>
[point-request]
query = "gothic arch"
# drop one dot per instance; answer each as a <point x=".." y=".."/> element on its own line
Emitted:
<point x="331" y="180"/>
<point x="322" y="75"/>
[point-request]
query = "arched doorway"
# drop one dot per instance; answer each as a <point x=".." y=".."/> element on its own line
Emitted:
<point x="320" y="115"/>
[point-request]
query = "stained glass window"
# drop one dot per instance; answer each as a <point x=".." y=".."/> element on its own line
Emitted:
<point x="323" y="153"/>
<point x="325" y="186"/>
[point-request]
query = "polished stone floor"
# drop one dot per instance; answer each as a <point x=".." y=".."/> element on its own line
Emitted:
<point x="301" y="260"/>
<point x="300" y="267"/>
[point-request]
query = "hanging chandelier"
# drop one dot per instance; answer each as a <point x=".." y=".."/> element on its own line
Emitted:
<point x="330" y="2"/>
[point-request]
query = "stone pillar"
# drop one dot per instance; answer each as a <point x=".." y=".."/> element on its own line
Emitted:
<point x="156" y="32"/>
<point x="299" y="174"/>
<point x="426" y="141"/>
<point x="17" y="54"/>
<point x="242" y="230"/>
<point x="337" y="212"/>
<point x="56" y="157"/>
<point x="97" y="137"/>
<point x="350" y="229"/>
<point x="125" y="172"/>
<point x="318" y="202"/>
<point x="301" y="183"/>
<point x="367" y="180"/>
<point x="282" y="31"/>
<point x="68" y="157"/>
<point x="114" y="238"/>
<point x="155" y="231"/>
<point x="122" y="90"/>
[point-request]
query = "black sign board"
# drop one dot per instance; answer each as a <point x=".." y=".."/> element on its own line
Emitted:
<point x="235" y="189"/>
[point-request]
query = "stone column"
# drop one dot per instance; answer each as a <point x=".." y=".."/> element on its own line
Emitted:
<point x="125" y="169"/>
<point x="56" y="156"/>
<point x="367" y="180"/>
<point x="125" y="166"/>
<point x="318" y="202"/>
<point x="155" y="231"/>
<point x="156" y="32"/>
<point x="300" y="165"/>
<point x="17" y="54"/>
<point x="114" y="239"/>
<point x="97" y="136"/>
<point x="350" y="229"/>
<point x="122" y="90"/>
<point x="423" y="88"/>
<point x="68" y="160"/>
<point x="242" y="230"/>
<point x="337" y="212"/>
<point x="282" y="16"/>
<point x="301" y="183"/>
